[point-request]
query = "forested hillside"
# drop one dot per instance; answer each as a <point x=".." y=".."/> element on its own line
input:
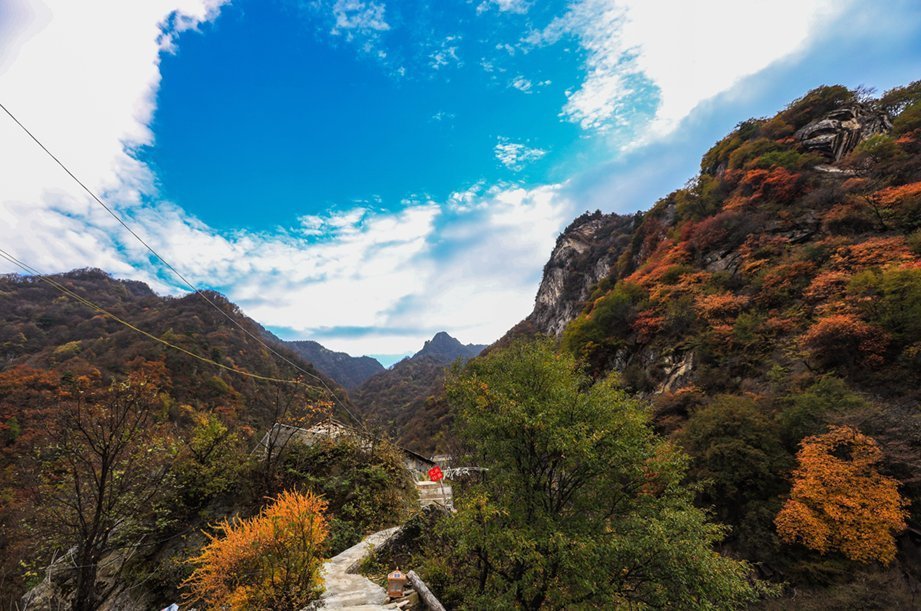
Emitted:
<point x="407" y="400"/>
<point x="43" y="328"/>
<point x="117" y="452"/>
<point x="771" y="308"/>
<point x="349" y="371"/>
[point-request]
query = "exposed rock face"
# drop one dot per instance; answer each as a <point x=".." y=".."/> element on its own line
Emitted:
<point x="56" y="590"/>
<point x="584" y="254"/>
<point x="837" y="133"/>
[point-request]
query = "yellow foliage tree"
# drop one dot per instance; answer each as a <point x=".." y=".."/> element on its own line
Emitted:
<point x="270" y="561"/>
<point x="840" y="502"/>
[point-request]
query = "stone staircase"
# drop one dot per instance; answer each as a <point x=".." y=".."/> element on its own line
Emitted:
<point x="349" y="591"/>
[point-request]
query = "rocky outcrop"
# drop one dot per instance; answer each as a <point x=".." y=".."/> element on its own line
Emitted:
<point x="584" y="254"/>
<point x="837" y="133"/>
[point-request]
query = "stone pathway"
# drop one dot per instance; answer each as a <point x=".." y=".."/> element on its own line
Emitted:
<point x="353" y="592"/>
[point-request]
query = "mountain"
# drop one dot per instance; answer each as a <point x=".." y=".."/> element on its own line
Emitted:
<point x="43" y="329"/>
<point x="406" y="400"/>
<point x="445" y="349"/>
<point x="584" y="254"/>
<point x="774" y="298"/>
<point x="349" y="371"/>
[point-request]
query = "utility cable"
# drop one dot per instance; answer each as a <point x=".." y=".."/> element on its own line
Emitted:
<point x="176" y="272"/>
<point x="121" y="321"/>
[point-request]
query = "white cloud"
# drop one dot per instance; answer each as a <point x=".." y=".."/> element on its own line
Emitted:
<point x="689" y="51"/>
<point x="504" y="6"/>
<point x="522" y="84"/>
<point x="525" y="85"/>
<point x="445" y="54"/>
<point x="86" y="86"/>
<point x="442" y="115"/>
<point x="515" y="155"/>
<point x="358" y="16"/>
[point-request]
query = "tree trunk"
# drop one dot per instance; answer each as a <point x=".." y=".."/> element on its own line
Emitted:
<point x="85" y="597"/>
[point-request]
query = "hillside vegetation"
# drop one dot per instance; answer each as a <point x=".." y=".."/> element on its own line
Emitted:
<point x="772" y="307"/>
<point x="45" y="329"/>
<point x="117" y="453"/>
<point x="407" y="400"/>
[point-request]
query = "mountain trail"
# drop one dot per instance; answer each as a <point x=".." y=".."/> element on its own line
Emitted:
<point x="349" y="591"/>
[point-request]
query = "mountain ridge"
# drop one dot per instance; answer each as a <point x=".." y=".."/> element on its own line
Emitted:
<point x="399" y="398"/>
<point x="347" y="370"/>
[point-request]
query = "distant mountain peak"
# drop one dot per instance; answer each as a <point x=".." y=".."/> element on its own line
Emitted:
<point x="447" y="349"/>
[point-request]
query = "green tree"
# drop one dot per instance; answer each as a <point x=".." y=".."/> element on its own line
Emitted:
<point x="736" y="450"/>
<point x="808" y="412"/>
<point x="583" y="505"/>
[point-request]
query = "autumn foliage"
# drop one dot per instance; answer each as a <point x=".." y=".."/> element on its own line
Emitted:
<point x="270" y="561"/>
<point x="844" y="339"/>
<point x="840" y="502"/>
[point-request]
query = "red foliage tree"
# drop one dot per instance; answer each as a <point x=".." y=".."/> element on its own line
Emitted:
<point x="844" y="339"/>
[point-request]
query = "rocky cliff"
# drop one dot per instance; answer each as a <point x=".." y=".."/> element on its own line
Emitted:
<point x="838" y="132"/>
<point x="584" y="254"/>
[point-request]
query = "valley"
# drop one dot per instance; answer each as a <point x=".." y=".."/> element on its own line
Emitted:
<point x="714" y="400"/>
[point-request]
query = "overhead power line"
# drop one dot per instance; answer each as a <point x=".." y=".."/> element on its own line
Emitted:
<point x="60" y="287"/>
<point x="176" y="272"/>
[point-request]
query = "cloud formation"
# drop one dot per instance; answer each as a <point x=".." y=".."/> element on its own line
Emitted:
<point x="504" y="6"/>
<point x="515" y="155"/>
<point x="398" y="275"/>
<point x="631" y="53"/>
<point x="358" y="17"/>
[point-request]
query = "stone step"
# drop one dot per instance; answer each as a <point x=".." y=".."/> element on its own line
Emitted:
<point x="345" y="590"/>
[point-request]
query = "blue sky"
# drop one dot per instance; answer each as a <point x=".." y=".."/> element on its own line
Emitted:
<point x="368" y="172"/>
<point x="303" y="119"/>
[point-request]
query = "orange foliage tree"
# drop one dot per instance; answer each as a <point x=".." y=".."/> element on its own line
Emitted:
<point x="270" y="561"/>
<point x="840" y="502"/>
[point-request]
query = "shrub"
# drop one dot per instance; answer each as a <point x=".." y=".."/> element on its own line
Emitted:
<point x="597" y="334"/>
<point x="891" y="297"/>
<point x="366" y="488"/>
<point x="827" y="285"/>
<point x="270" y="561"/>
<point x="900" y="206"/>
<point x="849" y="218"/>
<point x="845" y="340"/>
<point x="720" y="305"/>
<point x="736" y="449"/>
<point x="777" y="185"/>
<point x="809" y="411"/>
